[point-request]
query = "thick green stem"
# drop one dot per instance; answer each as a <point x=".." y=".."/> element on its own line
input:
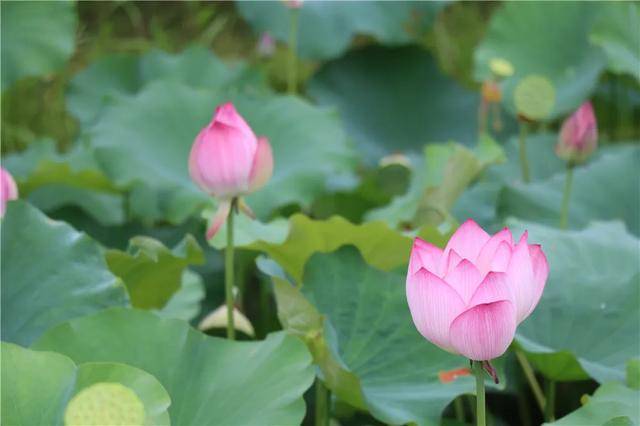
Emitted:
<point x="228" y="272"/>
<point x="522" y="142"/>
<point x="566" y="196"/>
<point x="458" y="408"/>
<point x="322" y="404"/>
<point x="531" y="378"/>
<point x="293" y="41"/>
<point x="550" y="407"/>
<point x="480" y="402"/>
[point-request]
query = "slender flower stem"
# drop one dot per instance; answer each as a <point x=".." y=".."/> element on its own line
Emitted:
<point x="480" y="403"/>
<point x="549" y="408"/>
<point x="228" y="272"/>
<point x="566" y="196"/>
<point x="322" y="404"/>
<point x="531" y="378"/>
<point x="522" y="142"/>
<point x="293" y="41"/>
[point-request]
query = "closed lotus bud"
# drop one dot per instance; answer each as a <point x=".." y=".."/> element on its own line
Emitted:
<point x="469" y="298"/>
<point x="266" y="45"/>
<point x="579" y="135"/>
<point x="227" y="160"/>
<point x="491" y="92"/>
<point x="8" y="190"/>
<point x="294" y="4"/>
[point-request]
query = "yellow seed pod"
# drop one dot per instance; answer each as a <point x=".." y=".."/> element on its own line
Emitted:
<point x="501" y="67"/>
<point x="105" y="404"/>
<point x="534" y="97"/>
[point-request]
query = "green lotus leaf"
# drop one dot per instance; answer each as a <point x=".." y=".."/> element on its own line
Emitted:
<point x="208" y="379"/>
<point x="396" y="100"/>
<point x="185" y="303"/>
<point x="550" y="40"/>
<point x="37" y="38"/>
<point x="50" y="273"/>
<point x="325" y="29"/>
<point x="41" y="388"/>
<point x="152" y="272"/>
<point x="593" y="279"/>
<point x="612" y="404"/>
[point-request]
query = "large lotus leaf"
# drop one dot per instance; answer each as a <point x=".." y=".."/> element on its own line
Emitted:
<point x="151" y="271"/>
<point x="479" y="201"/>
<point x="50" y="273"/>
<point x="588" y="312"/>
<point x="50" y="180"/>
<point x="547" y="39"/>
<point x="447" y="169"/>
<point x="116" y="75"/>
<point x="369" y="330"/>
<point x="613" y="404"/>
<point x="38" y="386"/>
<point x="325" y="29"/>
<point x="603" y="189"/>
<point x="185" y="303"/>
<point x="210" y="380"/>
<point x="145" y="139"/>
<point x="37" y="38"/>
<point x="396" y="100"/>
<point x="380" y="245"/>
<point x="616" y="31"/>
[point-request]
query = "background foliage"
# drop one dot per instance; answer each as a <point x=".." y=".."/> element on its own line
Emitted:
<point x="106" y="274"/>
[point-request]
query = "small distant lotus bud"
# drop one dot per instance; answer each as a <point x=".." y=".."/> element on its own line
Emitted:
<point x="294" y="4"/>
<point x="501" y="67"/>
<point x="227" y="160"/>
<point x="266" y="45"/>
<point x="579" y="135"/>
<point x="491" y="92"/>
<point x="469" y="298"/>
<point x="8" y="190"/>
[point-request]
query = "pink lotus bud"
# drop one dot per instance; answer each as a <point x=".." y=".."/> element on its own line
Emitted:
<point x="469" y="298"/>
<point x="294" y="4"/>
<point x="8" y="190"/>
<point x="579" y="135"/>
<point x="266" y="45"/>
<point x="227" y="160"/>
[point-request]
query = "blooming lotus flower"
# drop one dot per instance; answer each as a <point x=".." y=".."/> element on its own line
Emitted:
<point x="469" y="298"/>
<point x="227" y="160"/>
<point x="8" y="190"/>
<point x="579" y="135"/>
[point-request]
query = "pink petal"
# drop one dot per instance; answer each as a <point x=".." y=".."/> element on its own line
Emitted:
<point x="448" y="263"/>
<point x="520" y="279"/>
<point x="433" y="305"/>
<point x="8" y="189"/>
<point x="226" y="114"/>
<point x="540" y="274"/>
<point x="495" y="246"/>
<point x="485" y="331"/>
<point x="493" y="288"/>
<point x="218" y="218"/>
<point x="464" y="278"/>
<point x="468" y="240"/>
<point x="262" y="167"/>
<point x="424" y="255"/>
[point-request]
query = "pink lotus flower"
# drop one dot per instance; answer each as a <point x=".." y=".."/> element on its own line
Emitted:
<point x="227" y="160"/>
<point x="8" y="190"/>
<point x="579" y="135"/>
<point x="469" y="298"/>
<point x="294" y="4"/>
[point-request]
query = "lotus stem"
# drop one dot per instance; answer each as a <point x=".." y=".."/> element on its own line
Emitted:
<point x="228" y="272"/>
<point x="293" y="41"/>
<point x="566" y="196"/>
<point x="480" y="400"/>
<point x="549" y="408"/>
<point x="322" y="404"/>
<point x="531" y="378"/>
<point x="522" y="142"/>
